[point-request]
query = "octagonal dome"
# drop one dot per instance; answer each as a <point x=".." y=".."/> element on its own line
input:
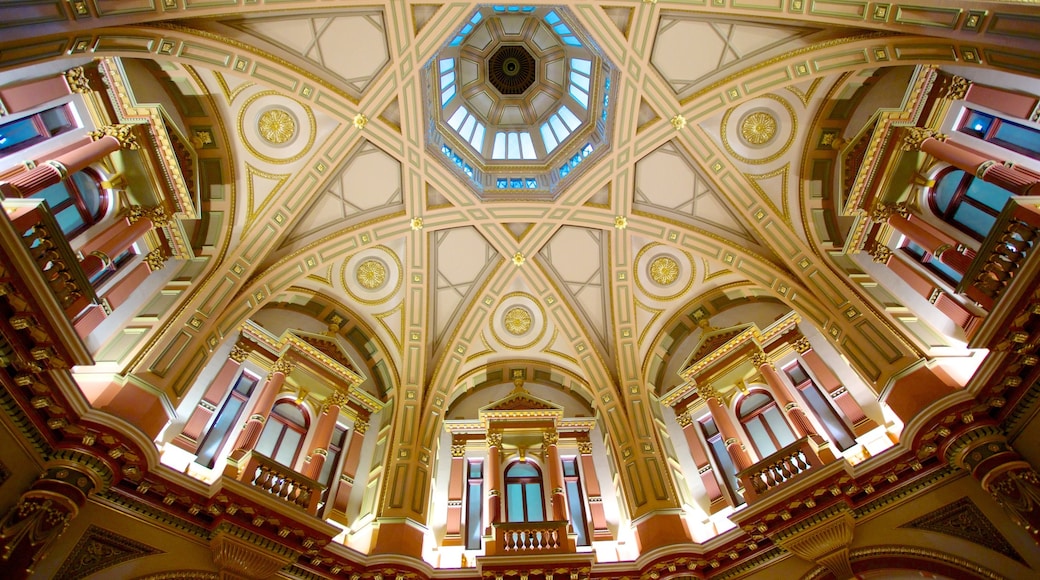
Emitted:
<point x="518" y="100"/>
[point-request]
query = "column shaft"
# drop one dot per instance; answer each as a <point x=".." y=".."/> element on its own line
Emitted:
<point x="741" y="459"/>
<point x="494" y="477"/>
<point x="320" y="442"/>
<point x="559" y="499"/>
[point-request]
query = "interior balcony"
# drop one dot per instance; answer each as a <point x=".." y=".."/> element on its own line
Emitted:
<point x="44" y="287"/>
<point x="272" y="478"/>
<point x="782" y="468"/>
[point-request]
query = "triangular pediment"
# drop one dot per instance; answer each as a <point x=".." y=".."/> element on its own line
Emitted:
<point x="520" y="404"/>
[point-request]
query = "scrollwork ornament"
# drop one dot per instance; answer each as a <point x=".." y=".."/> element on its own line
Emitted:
<point x="584" y="447"/>
<point x="157" y="215"/>
<point x="121" y="132"/>
<point x="684" y="419"/>
<point x="77" y="80"/>
<point x="880" y="254"/>
<point x="759" y="359"/>
<point x="156" y="259"/>
<point x="284" y="366"/>
<point x="39" y="518"/>
<point x="458" y="449"/>
<point x="1018" y="492"/>
<point x="957" y="87"/>
<point x="360" y="426"/>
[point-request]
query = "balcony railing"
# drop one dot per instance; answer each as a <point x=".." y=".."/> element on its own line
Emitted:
<point x="277" y="480"/>
<point x="779" y="468"/>
<point x="54" y="258"/>
<point x="518" y="538"/>
<point x="1002" y="258"/>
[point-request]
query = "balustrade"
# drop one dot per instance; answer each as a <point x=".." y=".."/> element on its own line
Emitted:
<point x="275" y="479"/>
<point x="48" y="248"/>
<point x="1004" y="252"/>
<point x="779" y="468"/>
<point x="517" y="538"/>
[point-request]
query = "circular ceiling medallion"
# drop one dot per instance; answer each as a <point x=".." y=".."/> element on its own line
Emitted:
<point x="511" y="70"/>
<point x="517" y="321"/>
<point x="758" y="128"/>
<point x="763" y="132"/>
<point x="276" y="126"/>
<point x="371" y="274"/>
<point x="664" y="270"/>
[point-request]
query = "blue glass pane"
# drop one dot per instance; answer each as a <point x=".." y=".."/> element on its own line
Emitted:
<point x="977" y="124"/>
<point x="499" y="150"/>
<point x="532" y="183"/>
<point x="522" y="469"/>
<point x="586" y="150"/>
<point x="945" y="270"/>
<point x="447" y="78"/>
<point x="974" y="219"/>
<point x="581" y="96"/>
<point x="1022" y="139"/>
<point x="914" y="250"/>
<point x="945" y="189"/>
<point x="17" y="132"/>
<point x="558" y="127"/>
<point x="514" y="502"/>
<point x="69" y="219"/>
<point x="571" y="41"/>
<point x="54" y="195"/>
<point x="88" y="191"/>
<point x="562" y="29"/>
<point x="476" y="18"/>
<point x="447" y="94"/>
<point x="989" y="194"/>
<point x="516" y="183"/>
<point x="534" y="502"/>
<point x="565" y="170"/>
<point x="551" y="17"/>
<point x="580" y="80"/>
<point x="583" y="65"/>
<point x="477" y="141"/>
<point x="446" y="64"/>
<point x="502" y="183"/>
<point x="577" y="512"/>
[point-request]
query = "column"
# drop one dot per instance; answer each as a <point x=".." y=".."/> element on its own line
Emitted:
<point x="255" y="425"/>
<point x="355" y="440"/>
<point x="189" y="437"/>
<point x="322" y="437"/>
<point x="118" y="238"/>
<point x="700" y="457"/>
<point x="996" y="171"/>
<point x="551" y="440"/>
<point x="53" y="171"/>
<point x="730" y="436"/>
<point x="456" y="489"/>
<point x="785" y="398"/>
<point x="42" y="513"/>
<point x="983" y="451"/>
<point x="600" y="531"/>
<point x="494" y="477"/>
<point x="940" y="244"/>
<point x="833" y="387"/>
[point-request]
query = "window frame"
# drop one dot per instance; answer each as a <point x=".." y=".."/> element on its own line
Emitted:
<point x="474" y="532"/>
<point x="991" y="133"/>
<point x="579" y="521"/>
<point x="960" y="196"/>
<point x="758" y="414"/>
<point x="275" y="417"/>
<point x="43" y="132"/>
<point x="524" y="481"/>
<point x="232" y="394"/>
<point x="836" y="413"/>
<point x="727" y="479"/>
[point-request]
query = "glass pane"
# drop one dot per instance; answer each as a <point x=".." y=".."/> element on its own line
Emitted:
<point x="710" y="430"/>
<point x="447" y="78"/>
<point x="571" y="41"/>
<point x="753" y="402"/>
<point x="552" y="18"/>
<point x="580" y="80"/>
<point x="527" y="146"/>
<point x="724" y="462"/>
<point x="577" y="513"/>
<point x="1025" y="140"/>
<point x="974" y="219"/>
<point x="474" y="517"/>
<point x="522" y="469"/>
<point x="70" y="220"/>
<point x="210" y="445"/>
<point x="533" y="492"/>
<point x="515" y="502"/>
<point x="477" y="141"/>
<point x="582" y="65"/>
<point x="268" y="438"/>
<point x="513" y="146"/>
<point x="778" y="425"/>
<point x="990" y="195"/>
<point x="580" y="96"/>
<point x="292" y="414"/>
<point x="17" y="132"/>
<point x="326" y="468"/>
<point x="245" y="383"/>
<point x="548" y="139"/>
<point x="945" y="189"/>
<point x="559" y="128"/>
<point x="760" y="437"/>
<point x="446" y="64"/>
<point x="977" y="124"/>
<point x="570" y="467"/>
<point x="447" y="94"/>
<point x="467" y="127"/>
<point x="56" y="195"/>
<point x="831" y="422"/>
<point x="456" y="119"/>
<point x="499" y="150"/>
<point x="568" y="117"/>
<point x="287" y="448"/>
<point x="797" y="374"/>
<point x="476" y="469"/>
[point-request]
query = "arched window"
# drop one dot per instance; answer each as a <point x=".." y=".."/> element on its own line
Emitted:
<point x="970" y="204"/>
<point x="76" y="203"/>
<point x="524" y="493"/>
<point x="764" y="423"/>
<point x="283" y="434"/>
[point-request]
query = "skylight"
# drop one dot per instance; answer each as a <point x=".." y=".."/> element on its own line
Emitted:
<point x="561" y="29"/>
<point x="559" y="126"/>
<point x="466" y="30"/>
<point x="468" y="127"/>
<point x="446" y="66"/>
<point x="513" y="9"/>
<point x="581" y="73"/>
<point x="513" y="145"/>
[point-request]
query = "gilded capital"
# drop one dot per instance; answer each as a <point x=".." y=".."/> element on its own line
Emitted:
<point x="494" y="439"/>
<point x="360" y="426"/>
<point x="584" y="446"/>
<point x="802" y="345"/>
<point x="156" y="259"/>
<point x="550" y="438"/>
<point x="760" y="358"/>
<point x="284" y="366"/>
<point x="458" y="448"/>
<point x="956" y="87"/>
<point x="684" y="419"/>
<point x="913" y="137"/>
<point x="880" y="254"/>
<point x="239" y="353"/>
<point x="123" y="133"/>
<point x="157" y="215"/>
